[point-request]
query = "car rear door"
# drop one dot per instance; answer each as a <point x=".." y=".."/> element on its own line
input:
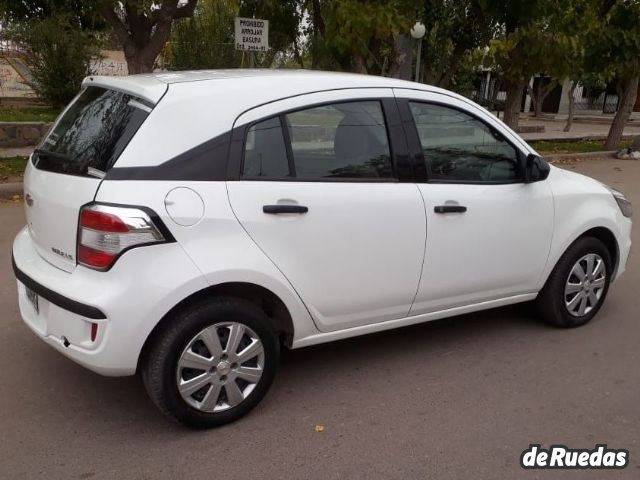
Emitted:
<point x="322" y="185"/>
<point x="489" y="233"/>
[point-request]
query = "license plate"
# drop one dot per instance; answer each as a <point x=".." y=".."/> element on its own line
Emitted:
<point x="33" y="299"/>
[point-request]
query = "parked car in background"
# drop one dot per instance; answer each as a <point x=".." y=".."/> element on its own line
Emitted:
<point x="187" y="225"/>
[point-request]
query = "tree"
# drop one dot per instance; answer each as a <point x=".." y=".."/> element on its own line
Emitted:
<point x="454" y="29"/>
<point x="285" y="18"/>
<point x="77" y="12"/>
<point x="356" y="35"/>
<point x="523" y="46"/>
<point x="577" y="23"/>
<point x="614" y="50"/>
<point x="58" y="54"/>
<point x="143" y="27"/>
<point x="205" y="40"/>
<point x="360" y="34"/>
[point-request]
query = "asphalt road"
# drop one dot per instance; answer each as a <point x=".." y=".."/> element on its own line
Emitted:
<point x="457" y="398"/>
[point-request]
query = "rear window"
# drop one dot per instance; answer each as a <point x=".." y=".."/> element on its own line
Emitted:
<point x="92" y="133"/>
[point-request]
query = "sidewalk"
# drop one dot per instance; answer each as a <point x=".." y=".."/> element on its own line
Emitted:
<point x="553" y="130"/>
<point x="15" y="152"/>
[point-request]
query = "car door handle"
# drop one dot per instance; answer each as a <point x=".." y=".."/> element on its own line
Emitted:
<point x="449" y="209"/>
<point x="275" y="209"/>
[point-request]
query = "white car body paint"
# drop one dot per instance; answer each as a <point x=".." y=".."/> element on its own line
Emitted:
<point x="366" y="258"/>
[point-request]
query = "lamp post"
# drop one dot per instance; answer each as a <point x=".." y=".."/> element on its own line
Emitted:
<point x="417" y="32"/>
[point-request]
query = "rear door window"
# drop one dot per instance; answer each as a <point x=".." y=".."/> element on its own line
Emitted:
<point x="92" y="133"/>
<point x="341" y="141"/>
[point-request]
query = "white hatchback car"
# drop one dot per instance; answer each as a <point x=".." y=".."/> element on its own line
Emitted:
<point x="184" y="225"/>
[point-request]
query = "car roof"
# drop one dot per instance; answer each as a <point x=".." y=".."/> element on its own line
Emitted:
<point x="152" y="86"/>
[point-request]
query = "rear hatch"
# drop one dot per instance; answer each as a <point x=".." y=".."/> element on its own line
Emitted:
<point x="65" y="171"/>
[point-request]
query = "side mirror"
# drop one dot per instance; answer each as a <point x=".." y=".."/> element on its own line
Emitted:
<point x="536" y="169"/>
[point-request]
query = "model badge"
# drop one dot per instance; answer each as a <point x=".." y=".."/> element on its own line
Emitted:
<point x="61" y="253"/>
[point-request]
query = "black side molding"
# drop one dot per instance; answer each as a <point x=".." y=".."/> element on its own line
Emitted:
<point x="61" y="301"/>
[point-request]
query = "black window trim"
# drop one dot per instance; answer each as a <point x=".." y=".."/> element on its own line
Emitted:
<point x="415" y="145"/>
<point x="236" y="165"/>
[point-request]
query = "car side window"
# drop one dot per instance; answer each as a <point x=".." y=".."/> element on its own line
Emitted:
<point x="346" y="140"/>
<point x="342" y="140"/>
<point x="265" y="153"/>
<point x="461" y="148"/>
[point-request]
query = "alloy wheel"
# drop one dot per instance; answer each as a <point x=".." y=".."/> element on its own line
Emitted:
<point x="220" y="367"/>
<point x="585" y="285"/>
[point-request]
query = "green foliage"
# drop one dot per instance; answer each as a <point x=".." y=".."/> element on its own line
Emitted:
<point x="595" y="84"/>
<point x="12" y="167"/>
<point x="29" y="114"/>
<point x="206" y="39"/>
<point x="58" y="54"/>
<point x="462" y="81"/>
<point x="455" y="30"/>
<point x="353" y="24"/>
<point x="285" y="17"/>
<point x="81" y="13"/>
<point x="577" y="146"/>
<point x="355" y="35"/>
<point x="613" y="46"/>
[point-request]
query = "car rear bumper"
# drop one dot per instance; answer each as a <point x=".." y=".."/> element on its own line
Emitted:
<point x="125" y="304"/>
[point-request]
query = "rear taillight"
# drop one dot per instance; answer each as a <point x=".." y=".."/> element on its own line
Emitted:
<point x="105" y="231"/>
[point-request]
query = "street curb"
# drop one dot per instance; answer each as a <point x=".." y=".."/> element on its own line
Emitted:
<point x="566" y="156"/>
<point x="583" y="138"/>
<point x="8" y="190"/>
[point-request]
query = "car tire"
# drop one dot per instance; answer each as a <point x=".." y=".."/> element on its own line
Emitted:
<point x="187" y="339"/>
<point x="561" y="302"/>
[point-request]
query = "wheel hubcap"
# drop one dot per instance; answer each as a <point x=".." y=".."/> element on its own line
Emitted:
<point x="220" y="367"/>
<point x="585" y="284"/>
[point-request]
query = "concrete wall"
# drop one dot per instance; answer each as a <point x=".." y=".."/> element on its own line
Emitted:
<point x="21" y="134"/>
<point x="11" y="83"/>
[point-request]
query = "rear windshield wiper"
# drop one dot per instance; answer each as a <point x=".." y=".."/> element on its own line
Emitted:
<point x="41" y="152"/>
<point x="66" y="163"/>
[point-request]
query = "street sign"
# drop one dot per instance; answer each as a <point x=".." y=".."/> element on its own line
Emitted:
<point x="252" y="34"/>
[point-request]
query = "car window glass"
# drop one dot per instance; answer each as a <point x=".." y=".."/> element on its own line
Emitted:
<point x="458" y="147"/>
<point x="343" y="140"/>
<point x="265" y="152"/>
<point x="92" y="132"/>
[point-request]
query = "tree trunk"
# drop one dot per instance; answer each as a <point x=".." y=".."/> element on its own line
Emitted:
<point x="538" y="96"/>
<point x="358" y="64"/>
<point x="513" y="102"/>
<point x="625" y="106"/>
<point x="143" y="33"/>
<point x="446" y="77"/>
<point x="452" y="68"/>
<point x="138" y="63"/>
<point x="318" y="33"/>
<point x="572" y="105"/>
<point x="402" y="58"/>
<point x="296" y="55"/>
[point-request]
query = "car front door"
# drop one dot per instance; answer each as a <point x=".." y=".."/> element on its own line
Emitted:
<point x="488" y="232"/>
<point x="322" y="188"/>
